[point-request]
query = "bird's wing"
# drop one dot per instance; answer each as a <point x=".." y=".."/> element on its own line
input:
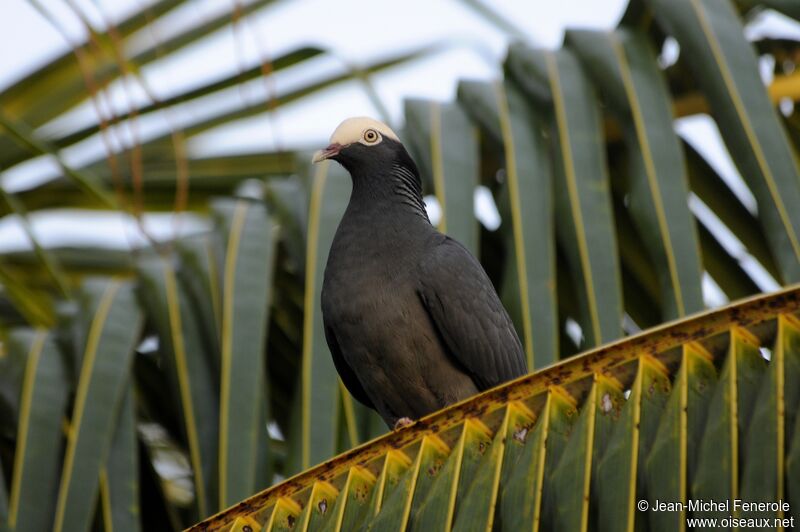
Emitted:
<point x="471" y="321"/>
<point x="346" y="373"/>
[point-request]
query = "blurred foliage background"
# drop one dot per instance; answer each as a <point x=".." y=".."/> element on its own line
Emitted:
<point x="147" y="388"/>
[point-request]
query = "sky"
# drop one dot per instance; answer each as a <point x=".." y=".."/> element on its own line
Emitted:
<point x="355" y="32"/>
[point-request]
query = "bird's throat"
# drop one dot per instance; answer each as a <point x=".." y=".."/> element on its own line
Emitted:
<point x="395" y="192"/>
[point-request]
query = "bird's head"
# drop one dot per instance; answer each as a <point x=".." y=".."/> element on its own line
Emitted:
<point x="378" y="163"/>
<point x="363" y="143"/>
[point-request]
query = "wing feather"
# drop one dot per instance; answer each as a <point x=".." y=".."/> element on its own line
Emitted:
<point x="469" y="316"/>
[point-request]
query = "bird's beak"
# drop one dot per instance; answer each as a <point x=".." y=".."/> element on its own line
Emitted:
<point x="331" y="151"/>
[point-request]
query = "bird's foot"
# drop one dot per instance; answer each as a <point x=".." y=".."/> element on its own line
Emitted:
<point x="403" y="422"/>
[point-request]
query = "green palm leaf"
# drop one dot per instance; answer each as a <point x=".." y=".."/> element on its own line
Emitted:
<point x="725" y="68"/>
<point x="104" y="370"/>
<point x="584" y="220"/>
<point x="119" y="478"/>
<point x="42" y="407"/>
<point x="447" y="153"/>
<point x="246" y="275"/>
<point x="657" y="180"/>
<point x="193" y="367"/>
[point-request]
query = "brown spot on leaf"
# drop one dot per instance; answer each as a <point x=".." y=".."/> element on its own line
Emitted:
<point x="434" y="469"/>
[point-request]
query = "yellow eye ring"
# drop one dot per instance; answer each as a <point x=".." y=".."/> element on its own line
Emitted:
<point x="371" y="136"/>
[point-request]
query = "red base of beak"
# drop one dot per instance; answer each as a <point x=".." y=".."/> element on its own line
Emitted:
<point x="331" y="151"/>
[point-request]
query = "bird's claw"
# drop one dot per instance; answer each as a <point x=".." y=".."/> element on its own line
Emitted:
<point x="403" y="422"/>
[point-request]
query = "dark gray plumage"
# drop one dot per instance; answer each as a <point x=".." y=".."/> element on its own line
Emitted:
<point x="411" y="319"/>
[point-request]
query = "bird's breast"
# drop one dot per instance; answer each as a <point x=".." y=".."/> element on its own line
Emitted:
<point x="369" y="285"/>
<point x="357" y="288"/>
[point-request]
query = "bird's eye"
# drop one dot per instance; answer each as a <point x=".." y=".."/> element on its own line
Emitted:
<point x="371" y="135"/>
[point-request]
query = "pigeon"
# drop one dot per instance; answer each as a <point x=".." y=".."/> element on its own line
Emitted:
<point x="412" y="321"/>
